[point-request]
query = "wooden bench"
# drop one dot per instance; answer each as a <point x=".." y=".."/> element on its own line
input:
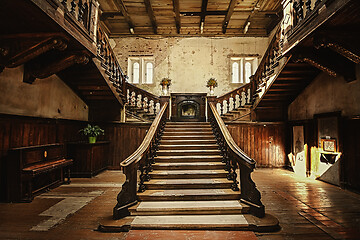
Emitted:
<point x="31" y="170"/>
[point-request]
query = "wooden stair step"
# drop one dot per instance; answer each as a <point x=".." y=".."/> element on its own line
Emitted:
<point x="188" y="129"/>
<point x="188" y="146"/>
<point x="188" y="137"/>
<point x="203" y="183"/>
<point x="199" y="158"/>
<point x="198" y="133"/>
<point x="188" y="123"/>
<point x="188" y="207"/>
<point x="187" y="174"/>
<point x="188" y="194"/>
<point x="188" y="152"/>
<point x="188" y="166"/>
<point x="189" y="141"/>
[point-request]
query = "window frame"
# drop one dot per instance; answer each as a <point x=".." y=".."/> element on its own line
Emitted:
<point x="242" y="61"/>
<point x="142" y="61"/>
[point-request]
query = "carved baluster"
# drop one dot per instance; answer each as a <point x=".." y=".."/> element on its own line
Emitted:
<point x="301" y="10"/>
<point x="142" y="186"/>
<point x="154" y="107"/>
<point x="235" y="184"/>
<point x="73" y="7"/>
<point x="64" y="3"/>
<point x="228" y="105"/>
<point x="308" y="7"/>
<point x="81" y="12"/>
<point x="295" y="11"/>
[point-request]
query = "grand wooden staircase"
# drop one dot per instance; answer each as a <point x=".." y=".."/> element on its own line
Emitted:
<point x="188" y="186"/>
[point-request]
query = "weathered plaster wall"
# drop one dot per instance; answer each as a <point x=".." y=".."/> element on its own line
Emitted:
<point x="50" y="97"/>
<point x="189" y="62"/>
<point x="327" y="94"/>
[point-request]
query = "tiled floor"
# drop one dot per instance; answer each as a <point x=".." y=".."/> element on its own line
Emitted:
<point x="306" y="209"/>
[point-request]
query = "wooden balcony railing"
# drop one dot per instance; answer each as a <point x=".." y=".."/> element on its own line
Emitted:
<point x="110" y="64"/>
<point x="235" y="158"/>
<point x="84" y="13"/>
<point x="139" y="98"/>
<point x="141" y="160"/>
<point x="240" y="97"/>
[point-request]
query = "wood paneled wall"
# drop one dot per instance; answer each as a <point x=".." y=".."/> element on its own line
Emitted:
<point x="124" y="139"/>
<point x="19" y="131"/>
<point x="351" y="155"/>
<point x="264" y="142"/>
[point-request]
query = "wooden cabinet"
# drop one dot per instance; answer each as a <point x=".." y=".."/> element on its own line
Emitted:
<point x="89" y="158"/>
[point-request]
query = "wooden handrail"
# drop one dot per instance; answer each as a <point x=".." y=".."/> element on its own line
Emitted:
<point x="141" y="160"/>
<point x="139" y="153"/>
<point x="235" y="158"/>
<point x="230" y="141"/>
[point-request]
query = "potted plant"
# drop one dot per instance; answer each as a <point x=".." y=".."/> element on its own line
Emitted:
<point x="211" y="83"/>
<point x="92" y="132"/>
<point x="165" y="83"/>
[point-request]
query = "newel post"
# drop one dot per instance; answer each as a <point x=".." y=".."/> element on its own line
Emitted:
<point x="127" y="196"/>
<point x="210" y="99"/>
<point x="163" y="100"/>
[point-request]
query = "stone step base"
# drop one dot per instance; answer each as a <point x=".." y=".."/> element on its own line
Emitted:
<point x="187" y="174"/>
<point x="202" y="183"/>
<point x="188" y="195"/>
<point x="188" y="166"/>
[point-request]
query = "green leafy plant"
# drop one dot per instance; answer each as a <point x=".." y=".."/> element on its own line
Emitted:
<point x="92" y="131"/>
<point x="212" y="82"/>
<point x="165" y="82"/>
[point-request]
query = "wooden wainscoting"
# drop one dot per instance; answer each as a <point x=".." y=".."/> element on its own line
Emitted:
<point x="124" y="139"/>
<point x="264" y="142"/>
<point x="20" y="131"/>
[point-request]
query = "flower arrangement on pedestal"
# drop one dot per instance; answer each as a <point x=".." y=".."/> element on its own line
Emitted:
<point x="211" y="83"/>
<point x="165" y="83"/>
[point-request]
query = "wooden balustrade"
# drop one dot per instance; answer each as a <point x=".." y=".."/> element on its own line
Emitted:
<point x="83" y="13"/>
<point x="141" y="99"/>
<point x="141" y="160"/>
<point x="235" y="158"/>
<point x="302" y="9"/>
<point x="110" y="64"/>
<point x="240" y="97"/>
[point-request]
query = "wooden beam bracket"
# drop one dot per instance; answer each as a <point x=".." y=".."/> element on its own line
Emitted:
<point x="337" y="46"/>
<point x="46" y="67"/>
<point x="18" y="49"/>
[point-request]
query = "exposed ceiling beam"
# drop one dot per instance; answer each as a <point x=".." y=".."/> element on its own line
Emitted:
<point x="229" y="13"/>
<point x="150" y="11"/>
<point x="203" y="14"/>
<point x="106" y="15"/>
<point x="120" y="5"/>
<point x="176" y="7"/>
<point x="207" y="13"/>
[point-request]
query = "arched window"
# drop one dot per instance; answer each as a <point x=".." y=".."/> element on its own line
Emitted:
<point x="248" y="72"/>
<point x="235" y="72"/>
<point x="149" y="73"/>
<point x="136" y="72"/>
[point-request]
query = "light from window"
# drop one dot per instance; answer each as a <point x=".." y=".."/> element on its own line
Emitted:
<point x="248" y="72"/>
<point x="136" y="72"/>
<point x="235" y="72"/>
<point x="149" y="73"/>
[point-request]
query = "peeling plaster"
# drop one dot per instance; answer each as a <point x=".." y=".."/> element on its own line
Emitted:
<point x="189" y="62"/>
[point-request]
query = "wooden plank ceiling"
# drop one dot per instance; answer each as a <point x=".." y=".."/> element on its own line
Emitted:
<point x="190" y="17"/>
